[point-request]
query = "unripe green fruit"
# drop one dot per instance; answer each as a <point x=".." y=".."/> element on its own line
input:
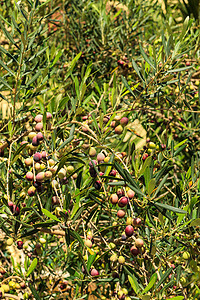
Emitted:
<point x="121" y="260"/>
<point x="31" y="135"/>
<point x="42" y="240"/>
<point x="139" y="243"/>
<point x="26" y="296"/>
<point x="92" y="152"/>
<point x="5" y="287"/>
<point x="151" y="145"/>
<point x="129" y="221"/>
<point x="51" y="162"/>
<point x="9" y="241"/>
<point x="119" y="129"/>
<point x="62" y="173"/>
<point x="106" y="159"/>
<point x="186" y="255"/>
<point x="28" y="161"/>
<point x="114" y="257"/>
<point x="125" y="292"/>
<point x="57" y="211"/>
<point x="48" y="174"/>
<point x="183" y="280"/>
<point x="37" y="167"/>
<point x="42" y="167"/>
<point x="54" y="184"/>
<point x="70" y="169"/>
<point x="112" y="245"/>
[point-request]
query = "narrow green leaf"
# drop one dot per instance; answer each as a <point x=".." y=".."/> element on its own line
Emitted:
<point x="77" y="237"/>
<point x="127" y="85"/>
<point x="134" y="283"/>
<point x="171" y="208"/>
<point x="69" y="139"/>
<point x="151" y="186"/>
<point x="195" y="222"/>
<point x="151" y="283"/>
<point x="35" y="293"/>
<point x="90" y="261"/>
<point x="137" y="70"/>
<point x="5" y="83"/>
<point x="33" y="78"/>
<point x="32" y="267"/>
<point x="176" y="298"/>
<point x="164" y="276"/>
<point x="7" y="34"/>
<point x="49" y="215"/>
<point x="146" y="163"/>
<point x="6" y="68"/>
<point x="161" y="184"/>
<point x="146" y="57"/>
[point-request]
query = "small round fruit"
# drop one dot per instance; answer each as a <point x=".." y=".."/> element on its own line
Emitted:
<point x="186" y="255"/>
<point x="114" y="257"/>
<point x="119" y="129"/>
<point x="139" y="243"/>
<point x="28" y="161"/>
<point x="44" y="154"/>
<point x="51" y="162"/>
<point x="29" y="176"/>
<point x="129" y="230"/>
<point x="88" y="243"/>
<point x="9" y="241"/>
<point x="37" y="166"/>
<point x="94" y="272"/>
<point x="100" y="157"/>
<point x="40" y="176"/>
<point x="123" y="201"/>
<point x="5" y="287"/>
<point x="124" y="121"/>
<point x="38" y="118"/>
<point x="48" y="174"/>
<point x="151" y="145"/>
<point x="121" y="213"/>
<point x="31" y="135"/>
<point x="70" y="169"/>
<point x="114" y="199"/>
<point x="35" y="141"/>
<point x="121" y="260"/>
<point x="42" y="240"/>
<point x="19" y="244"/>
<point x="130" y="194"/>
<point x="37" y="157"/>
<point x="137" y="222"/>
<point x="49" y="116"/>
<point x="40" y="136"/>
<point x="61" y="173"/>
<point x="38" y="126"/>
<point x="92" y="152"/>
<point x="31" y="191"/>
<point x="129" y="221"/>
<point x="134" y="251"/>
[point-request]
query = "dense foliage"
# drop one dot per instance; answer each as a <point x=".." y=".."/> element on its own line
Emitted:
<point x="99" y="150"/>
